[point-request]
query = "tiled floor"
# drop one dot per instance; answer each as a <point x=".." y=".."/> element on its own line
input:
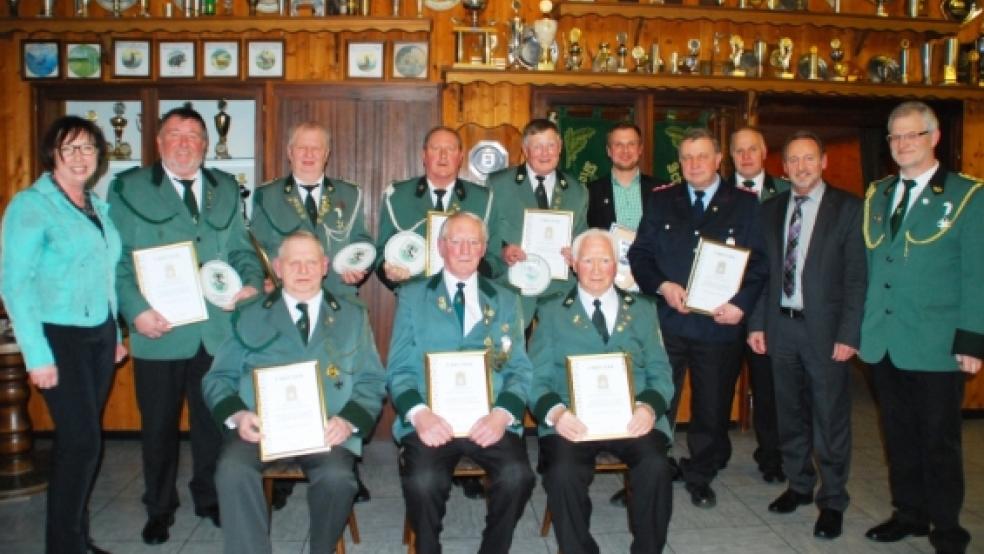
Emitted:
<point x="740" y="523"/>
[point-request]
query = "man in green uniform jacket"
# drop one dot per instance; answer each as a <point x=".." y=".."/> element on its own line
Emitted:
<point x="300" y="323"/>
<point x="177" y="200"/>
<point x="923" y="326"/>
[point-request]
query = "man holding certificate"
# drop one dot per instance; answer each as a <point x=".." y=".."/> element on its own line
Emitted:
<point x="173" y="216"/>
<point x="302" y="323"/>
<point x="602" y="382"/>
<point x="457" y="346"/>
<point x="702" y="324"/>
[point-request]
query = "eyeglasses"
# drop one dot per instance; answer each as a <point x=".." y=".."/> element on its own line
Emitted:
<point x="84" y="149"/>
<point x="907" y="137"/>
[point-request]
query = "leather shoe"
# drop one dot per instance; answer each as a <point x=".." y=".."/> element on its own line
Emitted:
<point x="789" y="501"/>
<point x="211" y="513"/>
<point x="363" y="493"/>
<point x="675" y="470"/>
<point x="472" y="487"/>
<point x="155" y="531"/>
<point x="701" y="495"/>
<point x="773" y="475"/>
<point x="828" y="524"/>
<point x="895" y="530"/>
<point x="91" y="547"/>
<point x="618" y="499"/>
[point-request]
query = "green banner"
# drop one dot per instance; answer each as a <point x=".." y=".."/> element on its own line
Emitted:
<point x="666" y="142"/>
<point x="585" y="131"/>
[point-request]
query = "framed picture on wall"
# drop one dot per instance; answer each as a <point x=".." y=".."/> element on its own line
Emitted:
<point x="83" y="60"/>
<point x="176" y="60"/>
<point x="365" y="60"/>
<point x="39" y="59"/>
<point x="131" y="58"/>
<point x="265" y="59"/>
<point x="410" y="60"/>
<point x="220" y="59"/>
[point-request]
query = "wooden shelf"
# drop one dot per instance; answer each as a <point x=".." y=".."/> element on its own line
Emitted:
<point x="713" y="83"/>
<point x="938" y="27"/>
<point x="208" y="24"/>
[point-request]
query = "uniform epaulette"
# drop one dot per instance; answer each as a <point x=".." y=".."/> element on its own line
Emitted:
<point x="975" y="180"/>
<point x="128" y="171"/>
<point x="663" y="187"/>
<point x="268" y="183"/>
<point x="344" y="182"/>
<point x="218" y="171"/>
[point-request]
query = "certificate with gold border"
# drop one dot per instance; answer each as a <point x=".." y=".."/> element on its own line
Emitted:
<point x="545" y="233"/>
<point x="168" y="278"/>
<point x="459" y="387"/>
<point x="435" y="220"/>
<point x="602" y="394"/>
<point x="291" y="407"/>
<point x="716" y="275"/>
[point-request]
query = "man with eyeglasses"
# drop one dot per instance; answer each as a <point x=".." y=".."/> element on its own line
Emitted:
<point x="621" y="196"/>
<point x="923" y="326"/>
<point x="178" y="200"/>
<point x="710" y="344"/>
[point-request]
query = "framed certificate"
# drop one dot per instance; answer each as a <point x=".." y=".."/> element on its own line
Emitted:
<point x="168" y="278"/>
<point x="716" y="275"/>
<point x="435" y="220"/>
<point x="602" y="394"/>
<point x="459" y="387"/>
<point x="545" y="232"/>
<point x="624" y="237"/>
<point x="290" y="403"/>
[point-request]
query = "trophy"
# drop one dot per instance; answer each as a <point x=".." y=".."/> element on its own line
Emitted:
<point x="545" y="30"/>
<point x="622" y="51"/>
<point x="574" y="51"/>
<point x="474" y="37"/>
<point x="974" y="68"/>
<point x="603" y="61"/>
<point x="904" y="61"/>
<point x="813" y="64"/>
<point x="674" y="63"/>
<point x="761" y="52"/>
<point x="913" y="7"/>
<point x="473" y="6"/>
<point x="880" y="10"/>
<point x="252" y="7"/>
<point x="926" y="62"/>
<point x="82" y="8"/>
<point x="12" y="5"/>
<point x="121" y="150"/>
<point x="737" y="49"/>
<point x="838" y="67"/>
<point x="516" y="28"/>
<point x="222" y="123"/>
<point x="692" y="61"/>
<point x="655" y="61"/>
<point x="951" y="50"/>
<point x="782" y="56"/>
<point x="47" y="8"/>
<point x="641" y="59"/>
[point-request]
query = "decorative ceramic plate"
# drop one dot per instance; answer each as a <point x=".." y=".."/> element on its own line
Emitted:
<point x="357" y="256"/>
<point x="407" y="249"/>
<point x="220" y="282"/>
<point x="531" y="276"/>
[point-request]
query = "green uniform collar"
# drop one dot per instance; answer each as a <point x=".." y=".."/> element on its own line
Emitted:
<point x="460" y="192"/>
<point x="522" y="176"/>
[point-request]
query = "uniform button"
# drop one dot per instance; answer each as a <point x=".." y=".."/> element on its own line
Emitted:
<point x="888" y="285"/>
<point x="889" y="259"/>
<point x="888" y="311"/>
<point x="199" y="239"/>
<point x="696" y="233"/>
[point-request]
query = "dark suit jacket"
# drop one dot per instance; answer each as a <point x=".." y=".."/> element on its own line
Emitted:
<point x="601" y="205"/>
<point x="834" y="274"/>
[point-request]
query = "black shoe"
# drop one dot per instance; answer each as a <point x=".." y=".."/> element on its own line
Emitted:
<point x="91" y="547"/>
<point x="828" y="524"/>
<point x="155" y="531"/>
<point x="363" y="493"/>
<point x="701" y="495"/>
<point x="789" y="501"/>
<point x="211" y="513"/>
<point x="773" y="475"/>
<point x="895" y="530"/>
<point x="618" y="499"/>
<point x="282" y="489"/>
<point x="472" y="487"/>
<point x="675" y="470"/>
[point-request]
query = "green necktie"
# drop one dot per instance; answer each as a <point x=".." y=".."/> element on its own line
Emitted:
<point x="309" y="204"/>
<point x="898" y="215"/>
<point x="439" y="193"/>
<point x="541" y="193"/>
<point x="303" y="322"/>
<point x="748" y="183"/>
<point x="598" y="319"/>
<point x="459" y="305"/>
<point x="189" y="197"/>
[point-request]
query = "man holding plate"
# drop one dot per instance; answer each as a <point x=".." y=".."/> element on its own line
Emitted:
<point x="608" y="339"/>
<point x="308" y="200"/>
<point x="301" y="322"/>
<point x="458" y="311"/>
<point x="170" y="216"/>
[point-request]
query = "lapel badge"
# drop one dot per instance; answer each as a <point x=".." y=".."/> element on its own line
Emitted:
<point x="563" y="183"/>
<point x="339" y="384"/>
<point x="520" y="177"/>
<point x="505" y="327"/>
<point x="629" y="300"/>
<point x="568" y="301"/>
<point x="332" y="371"/>
<point x="944" y="222"/>
<point x="730" y="241"/>
<point x="577" y="319"/>
<point x="506" y="343"/>
<point x="487" y="342"/>
<point x="714" y="209"/>
<point x="442" y="303"/>
<point x="937" y="189"/>
<point x="925" y="201"/>
<point x="619" y="328"/>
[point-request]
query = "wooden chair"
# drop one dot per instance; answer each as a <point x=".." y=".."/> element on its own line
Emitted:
<point x="290" y="470"/>
<point x="466" y="467"/>
<point x="604" y="463"/>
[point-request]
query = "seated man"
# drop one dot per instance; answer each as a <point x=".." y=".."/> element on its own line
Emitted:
<point x="596" y="318"/>
<point x="458" y="310"/>
<point x="302" y="322"/>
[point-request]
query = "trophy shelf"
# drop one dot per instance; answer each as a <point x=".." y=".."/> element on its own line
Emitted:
<point x="216" y="24"/>
<point x="775" y="18"/>
<point x="715" y="83"/>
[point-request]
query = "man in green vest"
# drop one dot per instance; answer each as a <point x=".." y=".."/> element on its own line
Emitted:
<point x="177" y="200"/>
<point x="923" y="326"/>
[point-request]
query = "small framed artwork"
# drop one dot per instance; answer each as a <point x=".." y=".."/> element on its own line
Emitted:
<point x="83" y="60"/>
<point x="220" y="59"/>
<point x="176" y="59"/>
<point x="365" y="60"/>
<point x="39" y="59"/>
<point x="410" y="60"/>
<point x="131" y="58"/>
<point x="265" y="59"/>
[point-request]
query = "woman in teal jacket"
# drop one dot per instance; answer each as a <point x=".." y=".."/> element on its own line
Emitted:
<point x="58" y="281"/>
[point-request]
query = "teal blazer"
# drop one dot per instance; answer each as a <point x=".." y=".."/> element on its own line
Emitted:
<point x="148" y="212"/>
<point x="264" y="335"/>
<point x="278" y="211"/>
<point x="565" y="329"/>
<point x="425" y="322"/>
<point x="57" y="267"/>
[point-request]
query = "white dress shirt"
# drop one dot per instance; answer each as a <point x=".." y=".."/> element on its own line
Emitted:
<point x="549" y="181"/>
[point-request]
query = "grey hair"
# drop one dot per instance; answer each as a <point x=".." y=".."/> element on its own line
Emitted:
<point x="915" y="107"/>
<point x="596" y="233"/>
<point x="309" y="126"/>
<point x="443" y="235"/>
<point x="300" y="235"/>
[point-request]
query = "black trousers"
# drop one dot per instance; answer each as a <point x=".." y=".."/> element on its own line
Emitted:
<point x="568" y="470"/>
<point x="426" y="476"/>
<point x="84" y="358"/>
<point x="714" y="369"/>
<point x="921" y="420"/>
<point x="162" y="386"/>
<point x="764" y="414"/>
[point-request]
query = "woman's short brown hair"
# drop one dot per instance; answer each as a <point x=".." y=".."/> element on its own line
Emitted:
<point x="65" y="129"/>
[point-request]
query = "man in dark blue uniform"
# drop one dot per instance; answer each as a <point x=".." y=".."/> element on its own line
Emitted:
<point x="710" y="344"/>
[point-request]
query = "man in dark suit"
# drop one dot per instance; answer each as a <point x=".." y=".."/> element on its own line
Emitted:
<point x="748" y="152"/>
<point x="622" y="196"/>
<point x="808" y="320"/>
<point x="710" y="344"/>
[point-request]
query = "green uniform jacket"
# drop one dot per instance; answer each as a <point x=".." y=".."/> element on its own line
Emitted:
<point x="513" y="195"/>
<point x="148" y="212"/>
<point x="278" y="211"/>
<point x="264" y="335"/>
<point x="405" y="206"/>
<point x="565" y="329"/>
<point x="925" y="302"/>
<point x="425" y="322"/>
